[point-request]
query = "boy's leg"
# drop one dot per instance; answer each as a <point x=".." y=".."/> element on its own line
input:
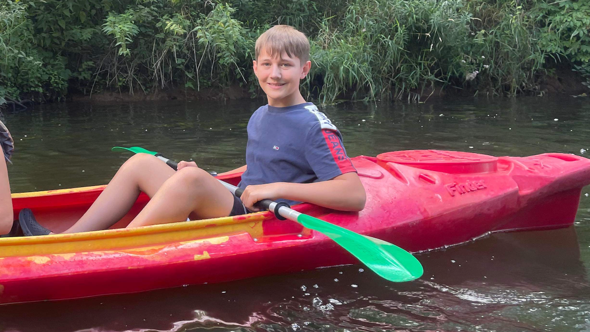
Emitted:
<point x="141" y="173"/>
<point x="189" y="192"/>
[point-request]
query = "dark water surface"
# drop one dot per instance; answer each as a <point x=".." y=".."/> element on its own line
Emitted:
<point x="528" y="281"/>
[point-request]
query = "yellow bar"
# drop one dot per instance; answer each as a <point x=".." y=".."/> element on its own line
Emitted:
<point x="142" y="237"/>
<point x="55" y="192"/>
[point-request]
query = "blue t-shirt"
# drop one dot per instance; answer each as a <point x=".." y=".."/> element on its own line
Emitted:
<point x="295" y="144"/>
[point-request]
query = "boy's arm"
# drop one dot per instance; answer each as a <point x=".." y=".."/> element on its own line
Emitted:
<point x="6" y="149"/>
<point x="344" y="192"/>
<point x="5" y="199"/>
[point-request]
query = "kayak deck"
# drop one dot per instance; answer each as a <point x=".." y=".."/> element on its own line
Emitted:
<point x="418" y="200"/>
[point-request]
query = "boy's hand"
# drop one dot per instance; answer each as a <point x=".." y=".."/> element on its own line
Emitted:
<point x="183" y="164"/>
<point x="256" y="193"/>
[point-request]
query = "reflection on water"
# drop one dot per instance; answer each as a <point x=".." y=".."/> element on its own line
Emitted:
<point x="529" y="281"/>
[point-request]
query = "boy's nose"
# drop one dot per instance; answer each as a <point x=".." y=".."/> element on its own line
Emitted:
<point x="275" y="72"/>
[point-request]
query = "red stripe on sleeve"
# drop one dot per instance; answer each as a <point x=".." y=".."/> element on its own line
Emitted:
<point x="337" y="150"/>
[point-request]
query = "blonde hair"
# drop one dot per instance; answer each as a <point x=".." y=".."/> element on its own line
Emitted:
<point x="283" y="38"/>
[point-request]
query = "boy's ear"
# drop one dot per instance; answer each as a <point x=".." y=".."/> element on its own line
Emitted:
<point x="255" y="66"/>
<point x="306" y="68"/>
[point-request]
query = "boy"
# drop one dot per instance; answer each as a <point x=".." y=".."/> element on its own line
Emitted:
<point x="294" y="154"/>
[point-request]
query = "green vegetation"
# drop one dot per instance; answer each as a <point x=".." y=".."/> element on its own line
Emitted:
<point x="361" y="49"/>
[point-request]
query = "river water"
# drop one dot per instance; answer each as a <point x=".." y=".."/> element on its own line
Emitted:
<point x="528" y="281"/>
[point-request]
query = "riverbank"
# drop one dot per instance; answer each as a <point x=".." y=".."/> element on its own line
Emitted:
<point x="408" y="50"/>
<point x="565" y="82"/>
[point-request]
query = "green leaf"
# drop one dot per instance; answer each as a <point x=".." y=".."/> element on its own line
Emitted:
<point x="61" y="23"/>
<point x="82" y="17"/>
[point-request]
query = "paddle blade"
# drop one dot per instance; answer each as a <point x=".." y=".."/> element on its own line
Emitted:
<point x="134" y="149"/>
<point x="387" y="260"/>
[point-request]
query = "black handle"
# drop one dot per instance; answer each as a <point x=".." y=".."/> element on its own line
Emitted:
<point x="172" y="164"/>
<point x="265" y="204"/>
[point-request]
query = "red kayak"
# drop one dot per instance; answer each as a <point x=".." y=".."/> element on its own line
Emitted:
<point x="418" y="200"/>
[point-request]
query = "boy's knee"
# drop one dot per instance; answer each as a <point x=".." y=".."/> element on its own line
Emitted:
<point x="191" y="175"/>
<point x="139" y="160"/>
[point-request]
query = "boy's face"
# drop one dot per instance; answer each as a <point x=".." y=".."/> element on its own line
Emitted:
<point x="279" y="78"/>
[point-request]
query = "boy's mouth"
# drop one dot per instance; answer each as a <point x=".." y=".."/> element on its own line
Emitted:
<point x="276" y="85"/>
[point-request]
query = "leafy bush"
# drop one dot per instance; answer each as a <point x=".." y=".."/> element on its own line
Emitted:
<point x="24" y="69"/>
<point x="159" y="47"/>
<point x="565" y="27"/>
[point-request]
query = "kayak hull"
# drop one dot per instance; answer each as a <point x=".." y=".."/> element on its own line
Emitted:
<point x="418" y="200"/>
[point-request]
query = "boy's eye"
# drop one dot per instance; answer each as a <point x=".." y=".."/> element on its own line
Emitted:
<point x="286" y="65"/>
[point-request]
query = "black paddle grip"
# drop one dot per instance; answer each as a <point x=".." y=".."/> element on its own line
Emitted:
<point x="265" y="204"/>
<point x="169" y="162"/>
<point x="172" y="164"/>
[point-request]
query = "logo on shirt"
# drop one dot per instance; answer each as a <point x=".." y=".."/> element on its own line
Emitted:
<point x="325" y="123"/>
<point x="275" y="148"/>
<point x="334" y="145"/>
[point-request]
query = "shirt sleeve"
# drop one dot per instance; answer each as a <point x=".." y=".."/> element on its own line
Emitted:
<point x="325" y="153"/>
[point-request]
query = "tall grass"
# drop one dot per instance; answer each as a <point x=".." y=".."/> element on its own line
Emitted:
<point x="506" y="49"/>
<point x="403" y="46"/>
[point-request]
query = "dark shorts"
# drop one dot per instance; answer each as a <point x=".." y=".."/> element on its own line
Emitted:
<point x="238" y="208"/>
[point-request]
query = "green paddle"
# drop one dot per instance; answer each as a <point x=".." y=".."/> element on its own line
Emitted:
<point x="387" y="260"/>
